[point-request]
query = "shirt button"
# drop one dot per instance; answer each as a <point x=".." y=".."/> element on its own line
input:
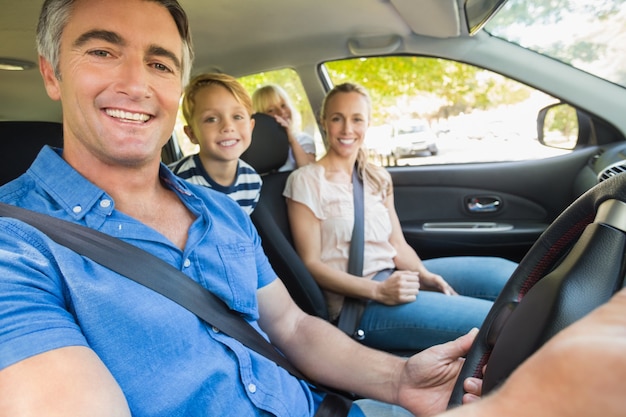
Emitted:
<point x="252" y="388"/>
<point x="187" y="263"/>
<point x="77" y="209"/>
<point x="105" y="203"/>
<point x="215" y="329"/>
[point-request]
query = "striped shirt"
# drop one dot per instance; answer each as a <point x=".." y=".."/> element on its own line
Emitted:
<point x="245" y="190"/>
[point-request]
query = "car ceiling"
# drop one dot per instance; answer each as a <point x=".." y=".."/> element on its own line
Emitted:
<point x="240" y="37"/>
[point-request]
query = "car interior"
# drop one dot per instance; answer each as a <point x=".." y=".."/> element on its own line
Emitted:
<point x="560" y="216"/>
<point x="266" y="155"/>
<point x="20" y="154"/>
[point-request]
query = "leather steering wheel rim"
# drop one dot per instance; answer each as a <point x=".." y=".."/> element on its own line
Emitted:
<point x="576" y="265"/>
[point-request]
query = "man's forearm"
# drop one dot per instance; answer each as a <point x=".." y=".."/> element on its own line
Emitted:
<point x="330" y="357"/>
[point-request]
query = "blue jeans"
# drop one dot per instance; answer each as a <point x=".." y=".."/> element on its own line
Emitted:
<point x="436" y="318"/>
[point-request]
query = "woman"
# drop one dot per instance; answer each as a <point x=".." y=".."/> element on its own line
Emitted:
<point x="274" y="101"/>
<point x="415" y="307"/>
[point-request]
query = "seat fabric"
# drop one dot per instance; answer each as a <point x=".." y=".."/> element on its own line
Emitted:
<point x="22" y="141"/>
<point x="267" y="153"/>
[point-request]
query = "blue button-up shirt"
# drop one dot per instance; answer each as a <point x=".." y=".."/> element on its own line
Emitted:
<point x="167" y="362"/>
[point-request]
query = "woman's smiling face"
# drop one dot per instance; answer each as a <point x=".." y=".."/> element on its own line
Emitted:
<point x="346" y="122"/>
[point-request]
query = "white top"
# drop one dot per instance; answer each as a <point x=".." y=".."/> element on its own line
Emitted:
<point x="308" y="145"/>
<point x="332" y="203"/>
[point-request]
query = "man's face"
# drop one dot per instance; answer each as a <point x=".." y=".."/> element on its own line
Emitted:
<point x="120" y="81"/>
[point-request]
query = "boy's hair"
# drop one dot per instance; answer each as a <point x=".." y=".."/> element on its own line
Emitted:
<point x="268" y="96"/>
<point x="203" y="80"/>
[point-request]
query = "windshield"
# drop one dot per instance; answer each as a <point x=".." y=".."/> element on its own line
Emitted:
<point x="588" y="35"/>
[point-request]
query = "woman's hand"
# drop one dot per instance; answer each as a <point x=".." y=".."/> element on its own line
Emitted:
<point x="436" y="282"/>
<point x="286" y="123"/>
<point x="401" y="287"/>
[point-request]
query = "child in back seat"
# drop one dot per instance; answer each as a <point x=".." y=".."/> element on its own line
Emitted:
<point x="217" y="110"/>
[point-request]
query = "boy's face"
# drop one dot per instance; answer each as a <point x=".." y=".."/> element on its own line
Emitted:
<point x="220" y="125"/>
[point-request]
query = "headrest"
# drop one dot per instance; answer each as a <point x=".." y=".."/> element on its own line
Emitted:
<point x="270" y="146"/>
<point x="21" y="141"/>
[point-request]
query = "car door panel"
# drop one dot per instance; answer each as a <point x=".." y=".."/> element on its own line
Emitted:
<point x="433" y="204"/>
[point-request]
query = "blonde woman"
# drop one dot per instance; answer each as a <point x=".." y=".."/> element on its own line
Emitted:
<point x="419" y="304"/>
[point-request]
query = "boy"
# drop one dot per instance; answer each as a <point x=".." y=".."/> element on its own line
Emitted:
<point x="218" y="109"/>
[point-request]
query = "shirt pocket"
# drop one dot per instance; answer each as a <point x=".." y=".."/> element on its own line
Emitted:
<point x="239" y="263"/>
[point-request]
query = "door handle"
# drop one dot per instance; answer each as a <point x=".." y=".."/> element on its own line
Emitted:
<point x="486" y="204"/>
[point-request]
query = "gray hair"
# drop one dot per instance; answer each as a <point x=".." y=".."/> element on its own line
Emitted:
<point x="55" y="14"/>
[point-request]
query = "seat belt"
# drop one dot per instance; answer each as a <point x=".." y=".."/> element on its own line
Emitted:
<point x="156" y="274"/>
<point x="353" y="308"/>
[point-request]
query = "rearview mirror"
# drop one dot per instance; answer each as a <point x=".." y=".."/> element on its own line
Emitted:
<point x="557" y="126"/>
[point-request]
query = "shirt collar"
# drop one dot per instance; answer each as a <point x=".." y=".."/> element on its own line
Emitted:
<point x="77" y="195"/>
<point x="64" y="184"/>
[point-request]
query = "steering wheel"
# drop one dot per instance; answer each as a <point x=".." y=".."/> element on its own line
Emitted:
<point x="577" y="264"/>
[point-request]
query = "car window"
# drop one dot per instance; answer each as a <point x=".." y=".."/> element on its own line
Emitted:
<point x="586" y="35"/>
<point x="464" y="113"/>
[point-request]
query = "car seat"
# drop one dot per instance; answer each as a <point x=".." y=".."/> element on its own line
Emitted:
<point x="22" y="141"/>
<point x="267" y="153"/>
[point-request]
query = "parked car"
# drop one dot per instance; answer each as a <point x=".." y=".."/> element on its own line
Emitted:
<point x="413" y="138"/>
<point x="552" y="73"/>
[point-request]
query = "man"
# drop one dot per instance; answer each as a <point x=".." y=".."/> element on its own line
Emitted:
<point x="78" y="339"/>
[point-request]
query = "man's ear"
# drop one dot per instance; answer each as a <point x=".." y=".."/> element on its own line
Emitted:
<point x="49" y="79"/>
<point x="189" y="132"/>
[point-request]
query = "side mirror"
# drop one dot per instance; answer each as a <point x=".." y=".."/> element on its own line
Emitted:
<point x="558" y="126"/>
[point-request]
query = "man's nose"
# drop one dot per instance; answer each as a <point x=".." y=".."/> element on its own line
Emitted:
<point x="134" y="78"/>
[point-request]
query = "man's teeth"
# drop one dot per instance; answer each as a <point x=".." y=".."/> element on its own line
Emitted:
<point x="120" y="114"/>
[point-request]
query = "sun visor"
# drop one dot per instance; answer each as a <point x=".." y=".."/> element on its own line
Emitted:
<point x="435" y="18"/>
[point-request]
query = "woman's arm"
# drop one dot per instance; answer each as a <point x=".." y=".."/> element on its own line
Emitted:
<point x="306" y="232"/>
<point x="301" y="156"/>
<point x="407" y="258"/>
<point x="401" y="287"/>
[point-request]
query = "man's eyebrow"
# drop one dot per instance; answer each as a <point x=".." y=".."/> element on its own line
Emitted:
<point x="114" y="38"/>
<point x="155" y="50"/>
<point x="104" y="35"/>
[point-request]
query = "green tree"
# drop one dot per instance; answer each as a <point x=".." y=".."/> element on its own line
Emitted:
<point x="397" y="81"/>
<point x="453" y="87"/>
<point x="518" y="14"/>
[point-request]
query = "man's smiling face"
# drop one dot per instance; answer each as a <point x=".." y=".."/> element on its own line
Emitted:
<point x="120" y="81"/>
